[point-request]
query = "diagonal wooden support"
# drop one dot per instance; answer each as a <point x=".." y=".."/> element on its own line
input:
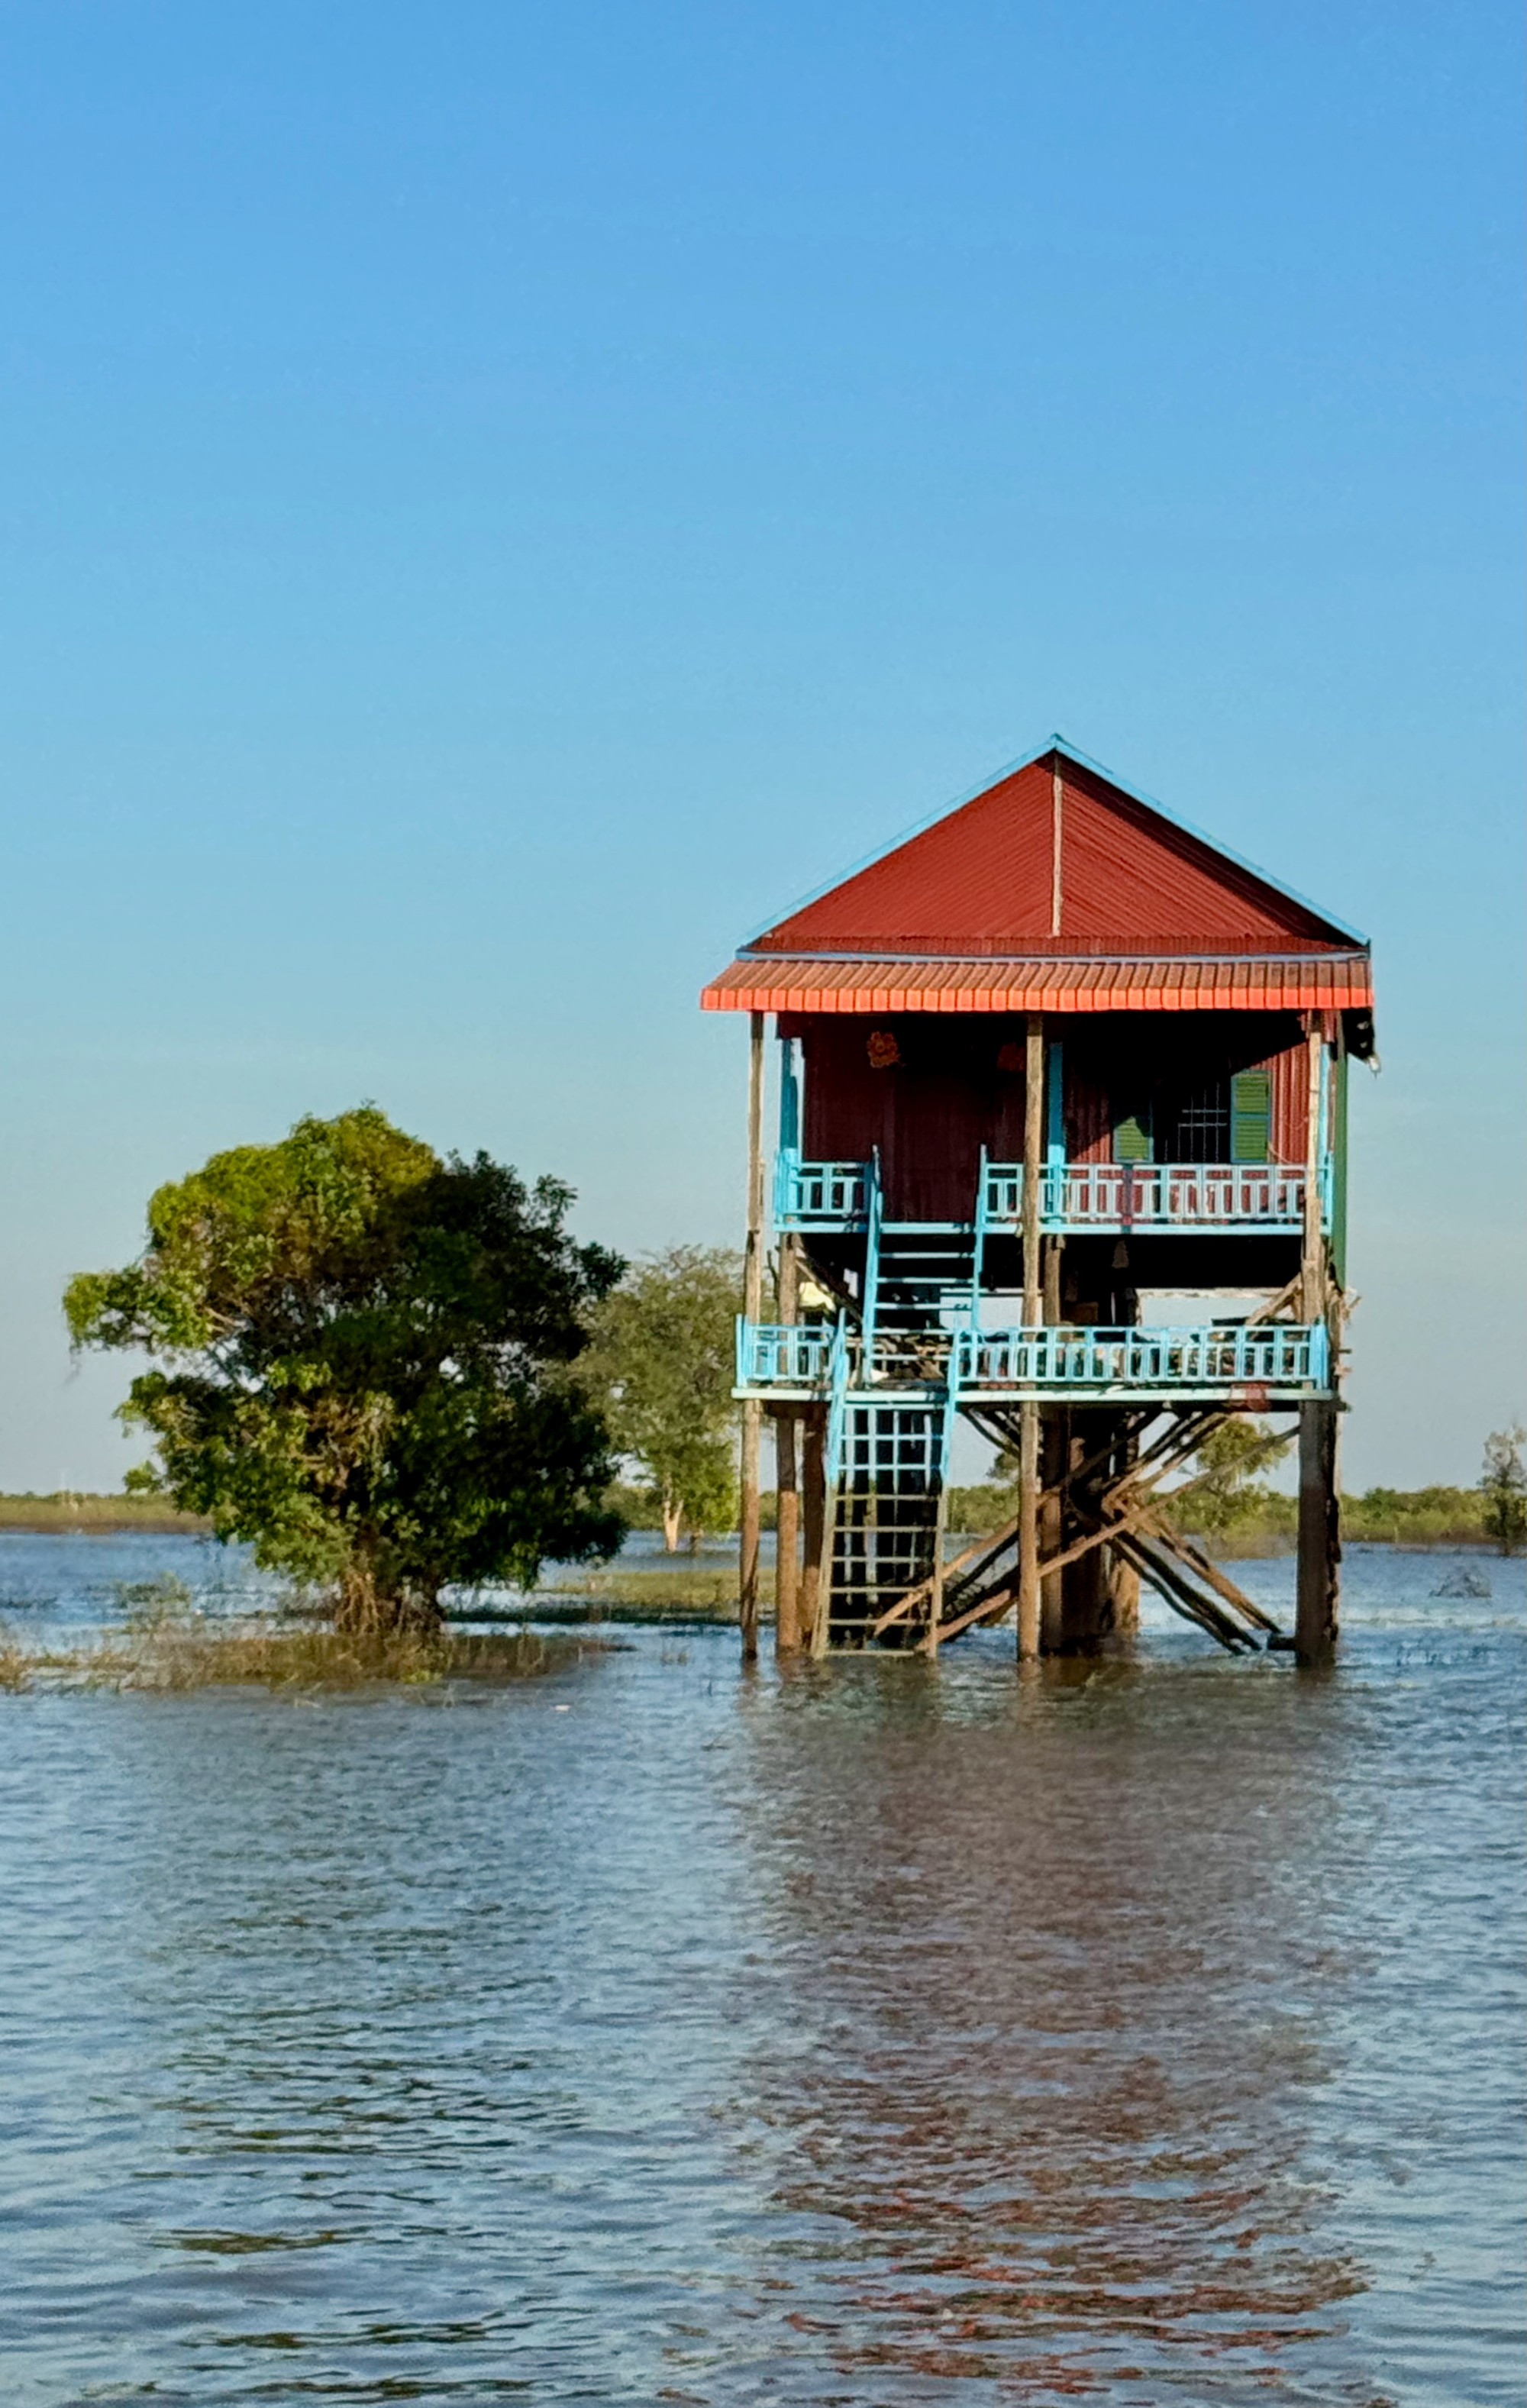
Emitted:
<point x="1185" y="1599"/>
<point x="1130" y="1507"/>
<point x="988" y="1610"/>
<point x="1159" y="1533"/>
<point x="983" y="1550"/>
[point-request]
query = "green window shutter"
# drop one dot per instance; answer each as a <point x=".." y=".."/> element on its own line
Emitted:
<point x="1250" y="1116"/>
<point x="1132" y="1139"/>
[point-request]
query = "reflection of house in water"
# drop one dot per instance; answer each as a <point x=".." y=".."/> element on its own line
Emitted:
<point x="1043" y="1068"/>
<point x="1045" y="2100"/>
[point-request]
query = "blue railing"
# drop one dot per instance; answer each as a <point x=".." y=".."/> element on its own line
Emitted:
<point x="819" y="1195"/>
<point x="1154" y="1195"/>
<point x="776" y="1355"/>
<point x="875" y="1213"/>
<point x="840" y="1371"/>
<point x="1075" y="1196"/>
<point x="818" y="1358"/>
<point x="978" y="1249"/>
<point x="1261" y="1354"/>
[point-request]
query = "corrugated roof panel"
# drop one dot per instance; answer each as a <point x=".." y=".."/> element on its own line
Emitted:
<point x="977" y="880"/>
<point x="1126" y="870"/>
<point x="1290" y="982"/>
<point x="982" y="881"/>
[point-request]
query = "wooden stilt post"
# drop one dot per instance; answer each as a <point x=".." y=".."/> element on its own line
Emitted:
<point x="1054" y="1452"/>
<point x="753" y="1270"/>
<point x="1319" y="1535"/>
<point x="822" y="1615"/>
<point x="1028" y="1485"/>
<point x="1312" y="1268"/>
<point x="1319" y="1509"/>
<point x="813" y="1502"/>
<point x="787" y="1538"/>
<point x="1053" y="1250"/>
<point x="935" y="1587"/>
<point x="787" y="1495"/>
<point x="1054" y="1457"/>
<point x="1123" y="1577"/>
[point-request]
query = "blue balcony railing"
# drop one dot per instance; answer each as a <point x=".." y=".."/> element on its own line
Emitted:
<point x="1152" y="1195"/>
<point x="820" y="1195"/>
<point x="1224" y="1355"/>
<point x="1253" y="1360"/>
<point x="772" y="1355"/>
<point x="1076" y="1195"/>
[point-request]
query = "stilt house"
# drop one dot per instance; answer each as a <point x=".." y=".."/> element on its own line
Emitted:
<point x="1062" y="1148"/>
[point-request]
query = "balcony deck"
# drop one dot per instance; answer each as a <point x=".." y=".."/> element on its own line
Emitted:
<point x="1253" y="1365"/>
<point x="1108" y="1198"/>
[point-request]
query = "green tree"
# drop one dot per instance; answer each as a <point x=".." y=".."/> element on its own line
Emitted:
<point x="1503" y="1483"/>
<point x="363" y="1364"/>
<point x="1225" y="1489"/>
<point x="661" y="1364"/>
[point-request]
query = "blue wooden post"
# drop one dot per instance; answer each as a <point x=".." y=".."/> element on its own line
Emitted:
<point x="1055" y="1135"/>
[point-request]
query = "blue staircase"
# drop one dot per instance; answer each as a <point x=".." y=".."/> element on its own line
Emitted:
<point x="888" y="1452"/>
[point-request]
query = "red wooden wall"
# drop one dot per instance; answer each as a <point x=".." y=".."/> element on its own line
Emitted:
<point x="957" y="1085"/>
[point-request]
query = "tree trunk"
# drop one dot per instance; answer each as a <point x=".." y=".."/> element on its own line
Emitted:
<point x="673" y="1513"/>
<point x="364" y="1609"/>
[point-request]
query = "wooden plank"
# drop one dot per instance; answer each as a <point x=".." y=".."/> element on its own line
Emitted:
<point x="786" y="1490"/>
<point x="788" y="1538"/>
<point x="1206" y="1570"/>
<point x="991" y="1547"/>
<point x="1183" y="1600"/>
<point x="935" y="1587"/>
<point x="988" y="1610"/>
<point x="1319" y="1535"/>
<point x="1033" y="1165"/>
<point x="1033" y="1157"/>
<point x="822" y="1617"/>
<point x="813" y="1504"/>
<point x="1312" y="1261"/>
<point x="753" y="1266"/>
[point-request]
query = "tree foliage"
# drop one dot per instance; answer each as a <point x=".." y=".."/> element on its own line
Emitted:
<point x="661" y="1364"/>
<point x="1503" y="1485"/>
<point x="362" y="1364"/>
<point x="1225" y="1489"/>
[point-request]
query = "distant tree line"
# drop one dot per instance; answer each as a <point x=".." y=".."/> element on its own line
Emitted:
<point x="1233" y="1508"/>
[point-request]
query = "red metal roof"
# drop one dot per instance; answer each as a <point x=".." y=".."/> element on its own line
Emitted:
<point x="1296" y="982"/>
<point x="1053" y="889"/>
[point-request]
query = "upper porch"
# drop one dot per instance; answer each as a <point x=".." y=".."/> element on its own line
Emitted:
<point x="842" y="1198"/>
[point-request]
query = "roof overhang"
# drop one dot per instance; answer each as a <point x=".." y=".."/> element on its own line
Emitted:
<point x="1238" y="982"/>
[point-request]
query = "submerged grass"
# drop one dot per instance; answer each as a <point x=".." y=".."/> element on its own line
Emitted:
<point x="692" y="1589"/>
<point x="176" y="1652"/>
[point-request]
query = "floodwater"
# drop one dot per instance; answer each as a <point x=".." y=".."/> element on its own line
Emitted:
<point x="878" y="2034"/>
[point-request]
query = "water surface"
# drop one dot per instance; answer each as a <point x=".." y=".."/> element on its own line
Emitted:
<point x="877" y="2034"/>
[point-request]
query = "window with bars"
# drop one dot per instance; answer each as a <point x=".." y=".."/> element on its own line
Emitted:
<point x="1204" y="1119"/>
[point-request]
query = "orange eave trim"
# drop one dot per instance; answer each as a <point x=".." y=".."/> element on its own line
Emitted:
<point x="1304" y="982"/>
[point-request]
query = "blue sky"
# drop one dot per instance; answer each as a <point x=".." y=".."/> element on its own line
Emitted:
<point x="498" y="502"/>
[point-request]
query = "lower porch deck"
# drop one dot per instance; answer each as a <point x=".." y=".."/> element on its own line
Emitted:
<point x="1250" y="1367"/>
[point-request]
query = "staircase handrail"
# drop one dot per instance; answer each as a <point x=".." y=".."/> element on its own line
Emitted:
<point x="875" y="1213"/>
<point x="951" y="1411"/>
<point x="837" y="1401"/>
<point x="786" y="1184"/>
<point x="979" y="1247"/>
